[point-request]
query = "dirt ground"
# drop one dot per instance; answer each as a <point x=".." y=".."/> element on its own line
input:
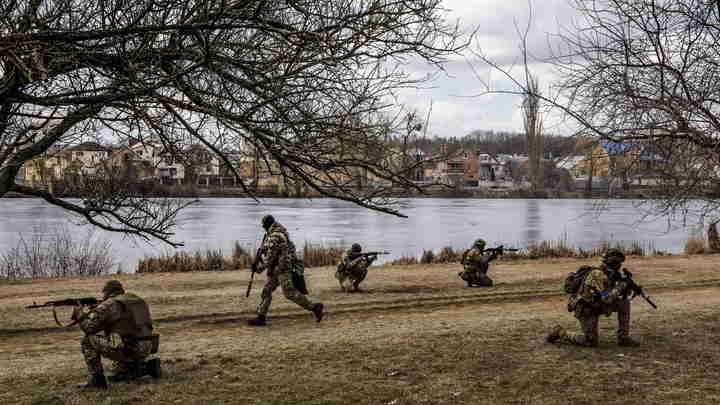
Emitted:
<point x="415" y="335"/>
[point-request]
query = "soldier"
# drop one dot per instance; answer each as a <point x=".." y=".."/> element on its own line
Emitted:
<point x="126" y="325"/>
<point x="476" y="265"/>
<point x="278" y="257"/>
<point x="353" y="266"/>
<point x="602" y="292"/>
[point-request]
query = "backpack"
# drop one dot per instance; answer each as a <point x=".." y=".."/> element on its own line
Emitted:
<point x="574" y="279"/>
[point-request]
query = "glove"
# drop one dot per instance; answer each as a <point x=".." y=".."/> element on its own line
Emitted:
<point x="78" y="313"/>
<point x="623" y="287"/>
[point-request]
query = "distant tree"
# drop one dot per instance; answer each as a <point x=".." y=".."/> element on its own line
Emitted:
<point x="648" y="72"/>
<point x="294" y="80"/>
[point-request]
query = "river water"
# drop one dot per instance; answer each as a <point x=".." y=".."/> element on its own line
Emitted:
<point x="431" y="224"/>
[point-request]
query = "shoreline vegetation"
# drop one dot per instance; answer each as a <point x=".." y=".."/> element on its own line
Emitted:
<point x="57" y="255"/>
<point x="440" y="192"/>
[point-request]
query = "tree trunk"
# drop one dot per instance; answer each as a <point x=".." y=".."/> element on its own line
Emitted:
<point x="713" y="238"/>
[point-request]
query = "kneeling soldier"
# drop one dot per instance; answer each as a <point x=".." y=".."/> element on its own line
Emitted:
<point x="354" y="267"/>
<point x="602" y="292"/>
<point x="476" y="263"/>
<point x="126" y="338"/>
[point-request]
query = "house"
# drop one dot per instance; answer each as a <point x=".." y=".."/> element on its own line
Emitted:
<point x="57" y="165"/>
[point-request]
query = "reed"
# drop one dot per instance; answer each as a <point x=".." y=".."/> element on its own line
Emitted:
<point x="695" y="245"/>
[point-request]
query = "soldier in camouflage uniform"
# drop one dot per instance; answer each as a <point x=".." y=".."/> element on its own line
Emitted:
<point x="602" y="292"/>
<point x="476" y="264"/>
<point x="354" y="267"/>
<point x="118" y="328"/>
<point x="278" y="256"/>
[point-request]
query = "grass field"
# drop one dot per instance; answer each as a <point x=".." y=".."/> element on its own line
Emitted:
<point x="415" y="335"/>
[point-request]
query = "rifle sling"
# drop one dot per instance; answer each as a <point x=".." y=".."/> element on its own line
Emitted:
<point x="57" y="321"/>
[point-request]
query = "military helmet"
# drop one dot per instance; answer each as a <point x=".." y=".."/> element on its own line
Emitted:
<point x="112" y="288"/>
<point x="613" y="256"/>
<point x="266" y="221"/>
<point x="356" y="248"/>
<point x="479" y="243"/>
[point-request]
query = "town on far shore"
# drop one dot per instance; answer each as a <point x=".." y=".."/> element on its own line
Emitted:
<point x="580" y="168"/>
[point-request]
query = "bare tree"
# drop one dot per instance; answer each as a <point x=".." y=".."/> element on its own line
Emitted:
<point x="532" y="120"/>
<point x="647" y="72"/>
<point x="299" y="81"/>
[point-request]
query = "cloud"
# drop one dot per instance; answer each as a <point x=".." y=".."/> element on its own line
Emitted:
<point x="454" y="111"/>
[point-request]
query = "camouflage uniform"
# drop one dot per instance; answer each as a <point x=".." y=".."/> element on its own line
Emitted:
<point x="352" y="267"/>
<point x="598" y="295"/>
<point x="278" y="257"/>
<point x="476" y="264"/>
<point x="119" y="330"/>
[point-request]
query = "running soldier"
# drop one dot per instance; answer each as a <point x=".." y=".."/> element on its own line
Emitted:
<point x="126" y="325"/>
<point x="601" y="292"/>
<point x="354" y="267"/>
<point x="278" y="257"/>
<point x="476" y="263"/>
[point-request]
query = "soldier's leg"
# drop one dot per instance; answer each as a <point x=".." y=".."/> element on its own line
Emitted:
<point x="291" y="293"/>
<point x="623" y="332"/>
<point x="466" y="277"/>
<point x="91" y="349"/>
<point x="589" y="332"/>
<point x="340" y="276"/>
<point x="484" y="281"/>
<point x="358" y="277"/>
<point x="266" y="296"/>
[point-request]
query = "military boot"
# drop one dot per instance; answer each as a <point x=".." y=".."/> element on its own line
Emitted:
<point x="95" y="381"/>
<point x="317" y="310"/>
<point x="152" y="368"/>
<point x="554" y="334"/>
<point x="259" y="321"/>
<point x="126" y="371"/>
<point x="627" y="341"/>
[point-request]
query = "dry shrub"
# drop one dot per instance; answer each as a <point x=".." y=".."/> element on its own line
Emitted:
<point x="448" y="255"/>
<point x="317" y="255"/>
<point x="403" y="261"/>
<point x="428" y="257"/>
<point x="56" y="255"/>
<point x="210" y="260"/>
<point x="240" y="258"/>
<point x="695" y="245"/>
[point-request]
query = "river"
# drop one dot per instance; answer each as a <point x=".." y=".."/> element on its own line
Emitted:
<point x="432" y="223"/>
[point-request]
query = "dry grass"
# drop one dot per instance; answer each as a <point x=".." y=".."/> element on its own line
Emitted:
<point x="456" y="353"/>
<point x="56" y="254"/>
<point x="695" y="245"/>
<point x="317" y="255"/>
<point x="313" y="255"/>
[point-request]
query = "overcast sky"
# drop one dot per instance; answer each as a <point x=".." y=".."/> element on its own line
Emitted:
<point x="454" y="112"/>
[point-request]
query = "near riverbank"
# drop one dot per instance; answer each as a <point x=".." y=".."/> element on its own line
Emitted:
<point x="415" y="335"/>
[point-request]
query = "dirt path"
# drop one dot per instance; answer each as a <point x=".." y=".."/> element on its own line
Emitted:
<point x="416" y="336"/>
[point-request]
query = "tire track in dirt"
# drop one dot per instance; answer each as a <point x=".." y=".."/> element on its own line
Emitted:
<point x="384" y="305"/>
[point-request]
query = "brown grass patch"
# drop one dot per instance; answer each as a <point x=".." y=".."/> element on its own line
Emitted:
<point x="695" y="245"/>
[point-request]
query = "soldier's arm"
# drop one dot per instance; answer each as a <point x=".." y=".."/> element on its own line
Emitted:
<point x="99" y="318"/>
<point x="600" y="284"/>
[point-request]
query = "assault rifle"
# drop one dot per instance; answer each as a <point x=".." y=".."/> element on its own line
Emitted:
<point x="633" y="287"/>
<point x="254" y="266"/>
<point x="369" y="254"/>
<point x="501" y="249"/>
<point x="68" y="302"/>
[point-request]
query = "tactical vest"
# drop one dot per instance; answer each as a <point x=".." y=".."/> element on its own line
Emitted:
<point x="135" y="320"/>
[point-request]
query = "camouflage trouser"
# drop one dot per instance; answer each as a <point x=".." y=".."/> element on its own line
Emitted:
<point x="589" y="335"/>
<point x="284" y="280"/>
<point x="355" y="274"/>
<point x="112" y="347"/>
<point x="477" y="278"/>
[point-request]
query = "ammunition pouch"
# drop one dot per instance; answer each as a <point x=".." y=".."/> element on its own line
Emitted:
<point x="154" y="342"/>
<point x="572" y="304"/>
